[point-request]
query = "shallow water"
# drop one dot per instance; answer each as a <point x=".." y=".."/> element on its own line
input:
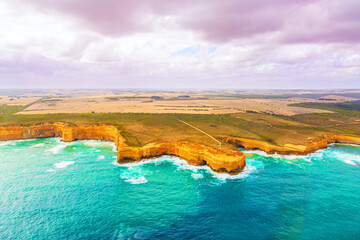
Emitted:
<point x="55" y="190"/>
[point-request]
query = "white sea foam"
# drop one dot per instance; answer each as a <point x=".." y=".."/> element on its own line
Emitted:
<point x="197" y="176"/>
<point x="94" y="143"/>
<point x="100" y="157"/>
<point x="251" y="167"/>
<point x="63" y="164"/>
<point x="140" y="163"/>
<point x="279" y="156"/>
<point x="38" y="145"/>
<point x="351" y="162"/>
<point x="57" y="148"/>
<point x="23" y="140"/>
<point x="13" y="142"/>
<point x="138" y="180"/>
<point x="50" y="170"/>
<point x="348" y="158"/>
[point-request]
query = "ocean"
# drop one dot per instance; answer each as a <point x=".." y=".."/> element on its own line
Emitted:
<point x="55" y="190"/>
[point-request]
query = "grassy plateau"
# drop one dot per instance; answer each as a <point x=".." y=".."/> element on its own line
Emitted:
<point x="142" y="128"/>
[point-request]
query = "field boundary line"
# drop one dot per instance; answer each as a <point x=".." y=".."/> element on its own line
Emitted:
<point x="200" y="131"/>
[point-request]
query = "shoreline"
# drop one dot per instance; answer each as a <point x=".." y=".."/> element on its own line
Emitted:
<point x="293" y="149"/>
<point x="231" y="162"/>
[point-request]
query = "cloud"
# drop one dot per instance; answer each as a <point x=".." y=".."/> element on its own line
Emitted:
<point x="197" y="43"/>
<point x="217" y="21"/>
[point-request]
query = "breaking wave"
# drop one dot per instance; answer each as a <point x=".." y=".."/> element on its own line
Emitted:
<point x="138" y="180"/>
<point x="56" y="149"/>
<point x="197" y="171"/>
<point x="38" y="145"/>
<point x="63" y="164"/>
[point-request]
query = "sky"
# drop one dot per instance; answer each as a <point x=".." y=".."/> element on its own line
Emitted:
<point x="184" y="44"/>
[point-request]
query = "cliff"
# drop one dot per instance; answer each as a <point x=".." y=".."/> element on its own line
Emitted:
<point x="66" y="132"/>
<point x="231" y="163"/>
<point x="293" y="149"/>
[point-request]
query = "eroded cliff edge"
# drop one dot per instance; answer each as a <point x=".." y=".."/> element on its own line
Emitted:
<point x="231" y="162"/>
<point x="293" y="149"/>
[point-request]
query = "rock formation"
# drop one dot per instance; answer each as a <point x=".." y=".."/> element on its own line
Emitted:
<point x="231" y="163"/>
<point x="293" y="149"/>
<point x="67" y="132"/>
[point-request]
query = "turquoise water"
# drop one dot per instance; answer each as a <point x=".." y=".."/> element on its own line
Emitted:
<point x="55" y="190"/>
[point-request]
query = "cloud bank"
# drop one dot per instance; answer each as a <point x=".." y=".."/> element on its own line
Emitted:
<point x="179" y="44"/>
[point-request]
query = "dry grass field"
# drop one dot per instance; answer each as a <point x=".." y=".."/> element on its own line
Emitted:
<point x="143" y="118"/>
<point x="6" y="100"/>
<point x="161" y="104"/>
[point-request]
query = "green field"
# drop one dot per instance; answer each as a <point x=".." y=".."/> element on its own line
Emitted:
<point x="142" y="128"/>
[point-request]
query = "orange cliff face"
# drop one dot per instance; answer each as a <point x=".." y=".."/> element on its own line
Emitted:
<point x="66" y="132"/>
<point x="293" y="149"/>
<point x="231" y="163"/>
<point x="35" y="131"/>
<point x="92" y="132"/>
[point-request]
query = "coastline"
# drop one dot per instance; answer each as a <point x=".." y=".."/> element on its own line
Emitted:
<point x="231" y="162"/>
<point x="293" y="149"/>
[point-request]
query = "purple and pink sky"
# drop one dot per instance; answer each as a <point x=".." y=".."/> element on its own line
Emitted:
<point x="276" y="44"/>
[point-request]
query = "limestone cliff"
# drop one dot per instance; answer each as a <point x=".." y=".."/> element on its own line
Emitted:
<point x="195" y="154"/>
<point x="293" y="149"/>
<point x="66" y="132"/>
<point x="232" y="162"/>
<point x="35" y="131"/>
<point x="95" y="132"/>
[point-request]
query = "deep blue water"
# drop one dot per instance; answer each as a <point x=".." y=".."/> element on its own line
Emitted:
<point x="55" y="190"/>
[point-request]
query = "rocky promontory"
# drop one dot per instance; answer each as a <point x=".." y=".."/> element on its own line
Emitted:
<point x="293" y="149"/>
<point x="232" y="162"/>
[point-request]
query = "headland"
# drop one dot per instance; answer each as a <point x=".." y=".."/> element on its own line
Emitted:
<point x="204" y="128"/>
<point x="231" y="162"/>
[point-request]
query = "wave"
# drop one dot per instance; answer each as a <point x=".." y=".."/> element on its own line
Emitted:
<point x="63" y="164"/>
<point x="279" y="156"/>
<point x="331" y="152"/>
<point x="251" y="167"/>
<point x="56" y="149"/>
<point x="24" y="140"/>
<point x="347" y="158"/>
<point x="13" y="142"/>
<point x="4" y="143"/>
<point x="95" y="143"/>
<point x="197" y="176"/>
<point x="100" y="157"/>
<point x="38" y="145"/>
<point x="138" y="180"/>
